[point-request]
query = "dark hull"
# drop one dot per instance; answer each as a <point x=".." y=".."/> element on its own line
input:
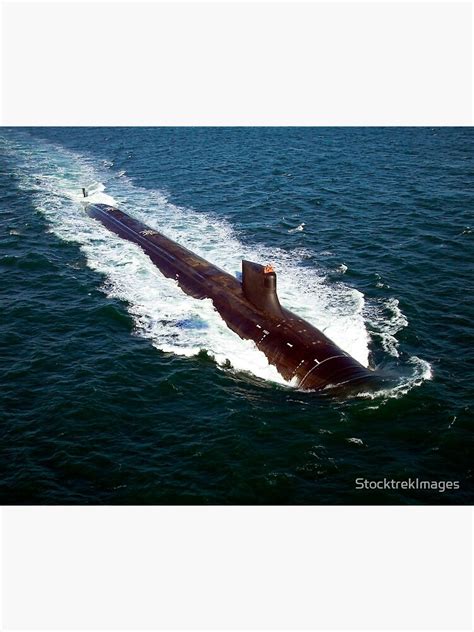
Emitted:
<point x="301" y="353"/>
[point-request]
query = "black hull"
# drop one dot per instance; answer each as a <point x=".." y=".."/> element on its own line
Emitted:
<point x="301" y="353"/>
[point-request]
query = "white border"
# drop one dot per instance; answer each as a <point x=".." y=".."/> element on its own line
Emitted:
<point x="237" y="63"/>
<point x="370" y="568"/>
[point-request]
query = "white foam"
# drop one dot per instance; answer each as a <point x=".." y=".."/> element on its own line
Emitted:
<point x="172" y="320"/>
<point x="298" y="228"/>
<point x="421" y="372"/>
<point x="386" y="323"/>
<point x="355" y="440"/>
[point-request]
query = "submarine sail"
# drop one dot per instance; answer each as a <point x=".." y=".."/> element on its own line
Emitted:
<point x="302" y="354"/>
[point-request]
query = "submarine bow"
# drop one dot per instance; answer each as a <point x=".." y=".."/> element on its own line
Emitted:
<point x="302" y="354"/>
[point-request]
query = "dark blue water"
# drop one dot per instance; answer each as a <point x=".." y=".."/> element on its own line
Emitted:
<point x="118" y="388"/>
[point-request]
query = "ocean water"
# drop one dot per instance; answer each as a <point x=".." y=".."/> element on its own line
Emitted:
<point x="116" y="387"/>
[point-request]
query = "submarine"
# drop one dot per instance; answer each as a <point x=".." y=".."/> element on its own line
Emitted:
<point x="301" y="353"/>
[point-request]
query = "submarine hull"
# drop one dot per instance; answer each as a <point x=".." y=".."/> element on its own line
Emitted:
<point x="302" y="354"/>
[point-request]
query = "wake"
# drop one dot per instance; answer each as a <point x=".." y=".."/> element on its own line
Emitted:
<point x="173" y="321"/>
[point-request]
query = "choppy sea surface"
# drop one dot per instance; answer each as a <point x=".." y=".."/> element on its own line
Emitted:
<point x="116" y="387"/>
